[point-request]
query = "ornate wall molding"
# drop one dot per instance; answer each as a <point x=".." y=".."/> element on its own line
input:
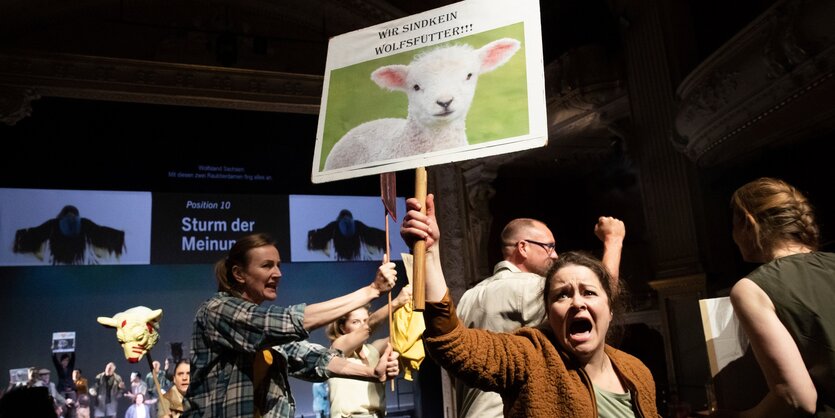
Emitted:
<point x="586" y="93"/>
<point x="450" y="209"/>
<point x="771" y="81"/>
<point x="477" y="176"/>
<point x="15" y="103"/>
<point x="99" y="78"/>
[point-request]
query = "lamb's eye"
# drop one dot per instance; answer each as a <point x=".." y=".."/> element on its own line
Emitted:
<point x="469" y="76"/>
<point x="416" y="87"/>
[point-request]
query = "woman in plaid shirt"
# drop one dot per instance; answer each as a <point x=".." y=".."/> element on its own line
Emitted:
<point x="234" y="334"/>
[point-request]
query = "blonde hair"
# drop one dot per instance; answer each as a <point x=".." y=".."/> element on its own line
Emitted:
<point x="772" y="211"/>
<point x="334" y="329"/>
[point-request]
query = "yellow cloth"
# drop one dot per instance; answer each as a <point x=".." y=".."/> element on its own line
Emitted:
<point x="407" y="338"/>
<point x="260" y="367"/>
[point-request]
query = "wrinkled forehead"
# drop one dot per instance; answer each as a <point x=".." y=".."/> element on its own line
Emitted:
<point x="576" y="276"/>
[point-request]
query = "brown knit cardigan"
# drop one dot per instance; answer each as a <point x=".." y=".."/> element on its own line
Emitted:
<point x="533" y="375"/>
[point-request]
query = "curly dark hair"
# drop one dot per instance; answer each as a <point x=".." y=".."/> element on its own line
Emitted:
<point x="578" y="258"/>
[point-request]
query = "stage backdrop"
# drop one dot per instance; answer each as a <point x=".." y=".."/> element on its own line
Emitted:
<point x="38" y="301"/>
<point x="89" y="227"/>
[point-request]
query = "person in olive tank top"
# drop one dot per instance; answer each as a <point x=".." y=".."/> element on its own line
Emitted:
<point x="786" y="306"/>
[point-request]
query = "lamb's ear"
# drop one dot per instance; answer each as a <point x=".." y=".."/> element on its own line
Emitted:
<point x="392" y="77"/>
<point x="496" y="53"/>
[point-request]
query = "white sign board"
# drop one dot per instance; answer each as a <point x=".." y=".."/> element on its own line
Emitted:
<point x="455" y="83"/>
<point x="18" y="376"/>
<point x="725" y="339"/>
<point x="63" y="342"/>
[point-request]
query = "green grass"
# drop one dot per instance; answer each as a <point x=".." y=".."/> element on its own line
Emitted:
<point x="499" y="109"/>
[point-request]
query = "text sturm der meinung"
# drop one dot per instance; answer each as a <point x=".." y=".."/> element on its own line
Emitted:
<point x="192" y="224"/>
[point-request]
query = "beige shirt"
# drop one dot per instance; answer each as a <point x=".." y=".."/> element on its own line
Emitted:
<point x="171" y="403"/>
<point x="507" y="300"/>
<point x="350" y="396"/>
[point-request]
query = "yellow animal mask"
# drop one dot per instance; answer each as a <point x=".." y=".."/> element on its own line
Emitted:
<point x="137" y="330"/>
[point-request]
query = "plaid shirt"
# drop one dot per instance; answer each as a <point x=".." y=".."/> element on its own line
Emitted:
<point x="228" y="332"/>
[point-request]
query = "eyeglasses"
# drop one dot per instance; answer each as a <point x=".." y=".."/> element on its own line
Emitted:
<point x="547" y="246"/>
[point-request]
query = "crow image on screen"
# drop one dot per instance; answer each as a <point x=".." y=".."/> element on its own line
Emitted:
<point x="70" y="239"/>
<point x="348" y="239"/>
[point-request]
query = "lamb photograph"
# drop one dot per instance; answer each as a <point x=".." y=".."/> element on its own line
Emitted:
<point x="455" y="94"/>
<point x="440" y="85"/>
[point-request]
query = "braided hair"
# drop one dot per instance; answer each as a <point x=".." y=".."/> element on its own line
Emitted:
<point x="772" y="212"/>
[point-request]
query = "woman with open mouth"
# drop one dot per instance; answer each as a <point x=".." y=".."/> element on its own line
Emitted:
<point x="562" y="368"/>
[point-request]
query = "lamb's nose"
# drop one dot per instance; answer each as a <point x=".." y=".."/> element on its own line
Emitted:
<point x="444" y="104"/>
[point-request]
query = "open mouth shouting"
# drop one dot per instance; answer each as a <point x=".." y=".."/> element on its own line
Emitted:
<point x="579" y="329"/>
<point x="271" y="288"/>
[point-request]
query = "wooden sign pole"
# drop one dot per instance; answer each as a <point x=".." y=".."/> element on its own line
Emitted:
<point x="391" y="319"/>
<point x="419" y="249"/>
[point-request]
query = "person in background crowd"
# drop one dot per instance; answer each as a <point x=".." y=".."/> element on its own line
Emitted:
<point x="164" y="382"/>
<point x="107" y="389"/>
<point x="152" y="398"/>
<point x="64" y="364"/>
<point x="138" y="409"/>
<point x="32" y="378"/>
<point x="80" y="382"/>
<point x="137" y="386"/>
<point x="82" y="408"/>
<point x="60" y="404"/>
<point x="171" y="404"/>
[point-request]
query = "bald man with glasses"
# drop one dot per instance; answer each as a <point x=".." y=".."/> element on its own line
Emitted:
<point x="512" y="297"/>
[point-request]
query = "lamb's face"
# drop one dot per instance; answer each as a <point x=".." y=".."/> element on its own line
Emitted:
<point x="440" y="85"/>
